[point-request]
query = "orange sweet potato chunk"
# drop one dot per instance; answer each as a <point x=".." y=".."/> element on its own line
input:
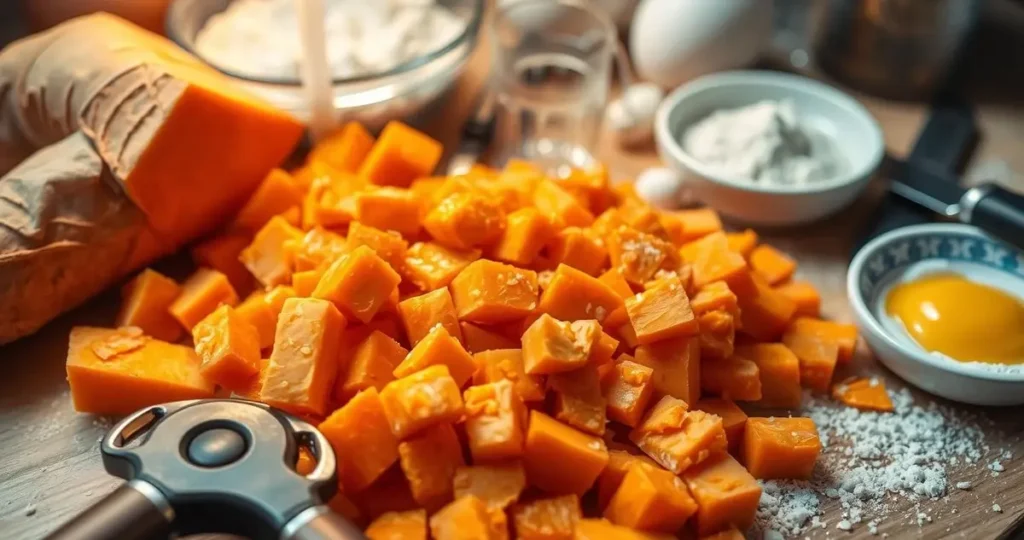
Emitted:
<point x="144" y="304"/>
<point x="817" y="358"/>
<point x="117" y="372"/>
<point x="733" y="378"/>
<point x="277" y="193"/>
<point x="400" y="155"/>
<point x="304" y="363"/>
<point x="559" y="206"/>
<point x="202" y="293"/>
<point x="661" y="312"/>
<point x="267" y="257"/>
<point x="734" y="420"/>
<point x="714" y="296"/>
<point x="494" y="421"/>
<point x="602" y="529"/>
<point x="603" y="350"/>
<point x="526" y="232"/>
<point x="804" y="295"/>
<point x="580" y="249"/>
<point x="619" y="463"/>
<point x="359" y="284"/>
<point x="717" y="335"/>
<point x="676" y="438"/>
<point x="228" y="347"/>
<point x="408" y="525"/>
<point x="423" y="399"/>
<point x="764" y="312"/>
<point x="866" y="394"/>
<point x="431" y="266"/>
<point x="781" y="448"/>
<point x="388" y="493"/>
<point x="771" y="264"/>
<point x="652" y="499"/>
<point x="547" y="519"/>
<point x="552" y="346"/>
<point x="345" y="149"/>
<point x="389" y="245"/>
<point x="465" y="220"/>
<point x="713" y="261"/>
<point x="465" y="518"/>
<point x="421" y="313"/>
<point x="438" y="348"/>
<point x="560" y="459"/>
<point x="429" y="461"/>
<point x="489" y="292"/>
<point x="579" y="401"/>
<point x="615" y="280"/>
<point x="304" y="283"/>
<point x="742" y="242"/>
<point x="638" y="255"/>
<point x="726" y="494"/>
<point x="256" y="311"/>
<point x="371" y="365"/>
<point x="629" y="392"/>
<point x="507" y="364"/>
<point x="318" y="249"/>
<point x="780" y="373"/>
<point x="844" y="335"/>
<point x="498" y="485"/>
<point x="222" y="253"/>
<point x="389" y="209"/>
<point x="478" y="339"/>
<point x="362" y="440"/>
<point x="697" y="223"/>
<point x="676" y="364"/>
<point x="573" y="295"/>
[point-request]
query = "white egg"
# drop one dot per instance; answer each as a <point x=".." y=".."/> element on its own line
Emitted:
<point x="661" y="187"/>
<point x="631" y="116"/>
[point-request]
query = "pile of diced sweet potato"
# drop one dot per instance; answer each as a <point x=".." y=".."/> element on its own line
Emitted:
<point x="491" y="355"/>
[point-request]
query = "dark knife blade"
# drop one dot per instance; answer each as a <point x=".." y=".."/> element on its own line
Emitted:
<point x="937" y="191"/>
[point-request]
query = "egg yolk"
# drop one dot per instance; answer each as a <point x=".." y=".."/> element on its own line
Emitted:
<point x="961" y="319"/>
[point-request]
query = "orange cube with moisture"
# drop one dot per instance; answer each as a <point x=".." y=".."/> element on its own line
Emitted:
<point x="494" y="421"/>
<point x="818" y="359"/>
<point x="771" y="264"/>
<point x="726" y="494"/>
<point x="712" y="261"/>
<point x="423" y="399"/>
<point x="400" y="155"/>
<point x="489" y="292"/>
<point x="431" y="266"/>
<point x="389" y="209"/>
<point x="629" y="392"/>
<point x="359" y="284"/>
<point x="843" y="335"/>
<point x="498" y="485"/>
<point x="202" y="293"/>
<point x="502" y="364"/>
<point x="742" y="242"/>
<point x="866" y="394"/>
<point x="438" y="348"/>
<point x="361" y="437"/>
<point x="465" y="220"/>
<point x="304" y="362"/>
<point x="573" y="295"/>
<point x="661" y="312"/>
<point x="781" y="448"/>
<point x="715" y="296"/>
<point x="371" y="365"/>
<point x="117" y="372"/>
<point x="559" y="206"/>
<point x="603" y="350"/>
<point x="552" y="346"/>
<point x="804" y="296"/>
<point x="764" y="313"/>
<point x="547" y="519"/>
<point x="479" y="339"/>
<point x="222" y="253"/>
<point x="579" y="401"/>
<point x="228" y="347"/>
<point x="676" y="438"/>
<point x="619" y="463"/>
<point x="345" y="149"/>
<point x="734" y="420"/>
<point x="256" y="311"/>
<point x="465" y="518"/>
<point x="580" y="249"/>
<point x="408" y="525"/>
<point x="422" y="313"/>
<point x="638" y="255"/>
<point x="651" y="499"/>
<point x="305" y="282"/>
<point x="526" y="233"/>
<point x="389" y="245"/>
<point x="697" y="223"/>
<point x="731" y="378"/>
<point x="560" y="459"/>
<point x="676" y="364"/>
<point x="429" y="461"/>
<point x="267" y="257"/>
<point x="780" y="373"/>
<point x="276" y="194"/>
<point x="717" y="335"/>
<point x="144" y="304"/>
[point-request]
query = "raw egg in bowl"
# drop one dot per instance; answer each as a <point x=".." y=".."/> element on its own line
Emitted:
<point x="942" y="306"/>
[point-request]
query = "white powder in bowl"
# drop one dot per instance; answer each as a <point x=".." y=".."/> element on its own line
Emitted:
<point x="763" y="143"/>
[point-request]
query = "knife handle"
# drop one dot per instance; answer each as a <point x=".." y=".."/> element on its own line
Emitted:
<point x="998" y="211"/>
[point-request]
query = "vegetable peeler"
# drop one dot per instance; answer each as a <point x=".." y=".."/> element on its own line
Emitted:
<point x="213" y="465"/>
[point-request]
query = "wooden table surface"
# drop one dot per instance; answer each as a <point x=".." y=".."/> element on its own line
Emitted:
<point x="49" y="459"/>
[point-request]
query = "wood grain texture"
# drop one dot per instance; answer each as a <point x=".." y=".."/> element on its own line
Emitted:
<point x="50" y="466"/>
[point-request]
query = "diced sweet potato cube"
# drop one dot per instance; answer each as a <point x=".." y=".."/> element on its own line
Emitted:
<point x="318" y="249"/>
<point x="715" y="296"/>
<point x="202" y="293"/>
<point x="345" y="150"/>
<point x="304" y="362"/>
<point x="742" y="242"/>
<point x="465" y="518"/>
<point x="602" y="529"/>
<point x="717" y="335"/>
<point x="560" y="459"/>
<point x="423" y="399"/>
<point x="780" y="373"/>
<point x="256" y="311"/>
<point x="726" y="494"/>
<point x="559" y="206"/>
<point x="144" y="304"/>
<point x="408" y="525"/>
<point x="764" y="313"/>
<point x="865" y="394"/>
<point x="629" y="392"/>
<point x="578" y="399"/>
<point x="498" y="485"/>
<point x="222" y="253"/>
<point x="371" y="365"/>
<point x="360" y="434"/>
<point x="662" y="312"/>
<point x="804" y="295"/>
<point x="422" y="313"/>
<point x="228" y="347"/>
<point x="390" y="209"/>
<point x="712" y="260"/>
<point x="526" y="233"/>
<point x="547" y="519"/>
<point x="507" y="364"/>
<point x="676" y="364"/>
<point x="305" y="463"/>
<point x="676" y="438"/>
<point x="844" y="335"/>
<point x="400" y="155"/>
<point x="572" y="295"/>
<point x="304" y="283"/>
<point x="733" y="418"/>
<point x="489" y="292"/>
<point x="438" y="348"/>
<point x="592" y="184"/>
<point x="266" y="257"/>
<point x="619" y="462"/>
<point x="638" y="255"/>
<point x="552" y="346"/>
<point x="494" y="421"/>
<point x="117" y="372"/>
<point x="429" y="461"/>
<point x="359" y="284"/>
<point x="638" y="215"/>
<point x="388" y="245"/>
<point x="465" y="220"/>
<point x="603" y="350"/>
<point x="388" y="493"/>
<point x="817" y="358"/>
<point x="478" y="339"/>
<point x="614" y="279"/>
<point x="431" y="266"/>
<point x="697" y="223"/>
<point x="731" y="378"/>
<point x="275" y="194"/>
<point x="650" y="498"/>
<point x="781" y="448"/>
<point x="580" y="249"/>
<point x="771" y="264"/>
<point x="329" y="202"/>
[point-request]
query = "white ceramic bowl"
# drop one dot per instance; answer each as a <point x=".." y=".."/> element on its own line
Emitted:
<point x="911" y="251"/>
<point x="856" y="135"/>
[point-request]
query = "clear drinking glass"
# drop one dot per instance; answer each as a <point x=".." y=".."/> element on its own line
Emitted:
<point x="552" y="66"/>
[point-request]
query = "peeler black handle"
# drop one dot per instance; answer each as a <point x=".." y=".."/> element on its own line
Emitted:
<point x="134" y="511"/>
<point x="998" y="211"/>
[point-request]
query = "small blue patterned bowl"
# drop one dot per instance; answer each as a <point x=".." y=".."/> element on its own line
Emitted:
<point x="908" y="253"/>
